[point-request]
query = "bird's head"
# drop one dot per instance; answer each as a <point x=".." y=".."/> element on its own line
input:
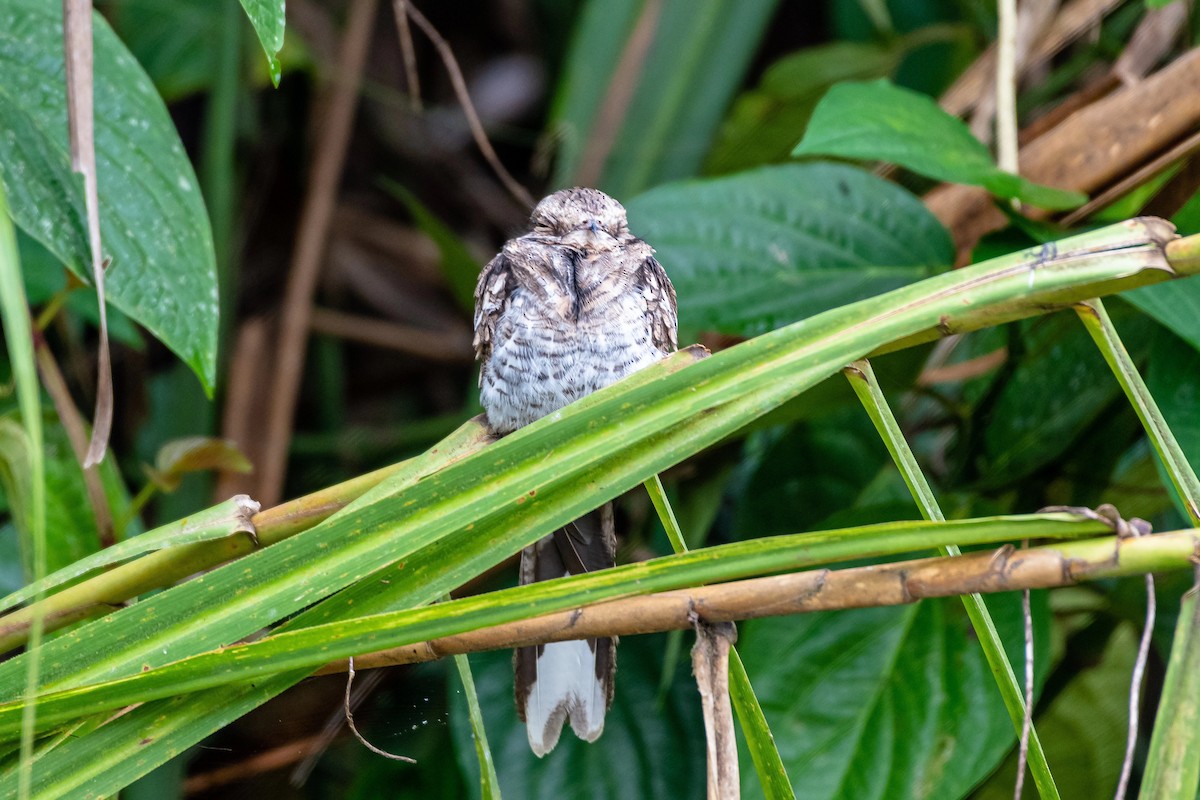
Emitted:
<point x="582" y="218"/>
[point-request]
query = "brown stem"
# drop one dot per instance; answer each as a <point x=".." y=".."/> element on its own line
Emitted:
<point x="710" y="665"/>
<point x="310" y="249"/>
<point x="72" y="422"/>
<point x="898" y="583"/>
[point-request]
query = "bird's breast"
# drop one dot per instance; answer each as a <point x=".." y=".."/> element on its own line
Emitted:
<point x="542" y="360"/>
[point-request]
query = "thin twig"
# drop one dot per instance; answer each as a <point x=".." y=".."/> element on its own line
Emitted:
<point x="72" y="422"/>
<point x="400" y="7"/>
<point x="257" y="764"/>
<point x="1135" y="687"/>
<point x="1131" y="181"/>
<point x="333" y="725"/>
<point x="310" y="247"/>
<point x="1006" y="86"/>
<point x="354" y="729"/>
<point x="514" y="188"/>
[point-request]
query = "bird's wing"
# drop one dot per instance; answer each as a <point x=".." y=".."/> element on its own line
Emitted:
<point x="660" y="304"/>
<point x="496" y="282"/>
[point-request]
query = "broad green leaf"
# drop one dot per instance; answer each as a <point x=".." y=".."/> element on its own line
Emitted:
<point x="1060" y="387"/>
<point x="45" y="276"/>
<point x="881" y="122"/>
<point x="1177" y="307"/>
<point x="764" y="122"/>
<point x="811" y="471"/>
<point x="887" y="703"/>
<point x="761" y="249"/>
<point x="693" y="66"/>
<point x="647" y="751"/>
<point x="154" y="224"/>
<point x="268" y="19"/>
<point x="181" y="66"/>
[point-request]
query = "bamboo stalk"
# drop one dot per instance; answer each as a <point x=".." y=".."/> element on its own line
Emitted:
<point x="107" y="591"/>
<point x="898" y="583"/>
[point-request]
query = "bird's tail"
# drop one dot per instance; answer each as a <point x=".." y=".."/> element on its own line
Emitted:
<point x="567" y="680"/>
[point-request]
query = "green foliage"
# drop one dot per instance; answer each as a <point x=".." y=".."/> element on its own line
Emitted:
<point x="878" y="121"/>
<point x="752" y="252"/>
<point x="883" y="703"/>
<point x="267" y="16"/>
<point x="152" y="218"/>
<point x="699" y="52"/>
<point x="823" y="263"/>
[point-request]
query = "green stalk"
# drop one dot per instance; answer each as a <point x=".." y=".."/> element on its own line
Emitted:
<point x="18" y="333"/>
<point x="489" y="783"/>
<point x="772" y="775"/>
<point x="1104" y="334"/>
<point x="862" y="379"/>
<point x="1173" y="763"/>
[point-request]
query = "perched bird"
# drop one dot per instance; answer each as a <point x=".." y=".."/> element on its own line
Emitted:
<point x="570" y="307"/>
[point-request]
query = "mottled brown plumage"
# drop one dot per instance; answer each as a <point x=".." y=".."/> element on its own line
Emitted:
<point x="572" y="306"/>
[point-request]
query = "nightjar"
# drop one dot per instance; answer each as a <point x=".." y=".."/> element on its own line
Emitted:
<point x="570" y="307"/>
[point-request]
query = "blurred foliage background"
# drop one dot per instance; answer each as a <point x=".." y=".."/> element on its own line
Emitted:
<point x="633" y="96"/>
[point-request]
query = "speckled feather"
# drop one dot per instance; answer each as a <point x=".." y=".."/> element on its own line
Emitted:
<point x="572" y="306"/>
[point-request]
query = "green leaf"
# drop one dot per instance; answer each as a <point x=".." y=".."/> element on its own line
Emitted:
<point x="699" y="53"/>
<point x="808" y="473"/>
<point x="154" y="224"/>
<point x="1060" y="387"/>
<point x="267" y="17"/>
<point x="18" y="337"/>
<point x="71" y="532"/>
<point x="881" y="122"/>
<point x="764" y="122"/>
<point x="645" y="752"/>
<point x="1176" y="306"/>
<point x="310" y="645"/>
<point x="887" y="703"/>
<point x="761" y="249"/>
